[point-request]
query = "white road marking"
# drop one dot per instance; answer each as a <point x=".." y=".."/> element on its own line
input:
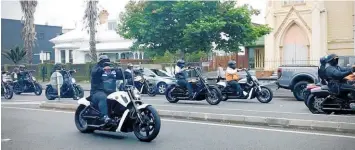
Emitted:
<point x="213" y="124"/>
<point x="20" y="103"/>
<point x="5" y="140"/>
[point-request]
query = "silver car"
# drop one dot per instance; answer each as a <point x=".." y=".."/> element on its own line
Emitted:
<point x="159" y="78"/>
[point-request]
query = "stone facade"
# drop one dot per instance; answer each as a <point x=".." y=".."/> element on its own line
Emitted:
<point x="303" y="31"/>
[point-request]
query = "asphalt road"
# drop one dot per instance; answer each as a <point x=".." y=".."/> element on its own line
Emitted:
<point x="24" y="129"/>
<point x="278" y="107"/>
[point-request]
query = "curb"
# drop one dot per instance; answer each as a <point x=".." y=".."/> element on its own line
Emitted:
<point x="237" y="119"/>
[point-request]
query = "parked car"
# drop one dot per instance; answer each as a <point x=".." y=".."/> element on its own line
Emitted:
<point x="296" y="78"/>
<point x="159" y="78"/>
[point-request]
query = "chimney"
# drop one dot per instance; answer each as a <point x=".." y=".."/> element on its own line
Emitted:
<point x="103" y="16"/>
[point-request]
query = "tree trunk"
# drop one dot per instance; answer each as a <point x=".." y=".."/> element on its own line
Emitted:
<point x="93" y="44"/>
<point x="28" y="32"/>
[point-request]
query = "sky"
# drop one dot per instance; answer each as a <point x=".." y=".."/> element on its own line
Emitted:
<point x="67" y="13"/>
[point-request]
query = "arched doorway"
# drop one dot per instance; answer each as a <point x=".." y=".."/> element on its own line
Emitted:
<point x="295" y="46"/>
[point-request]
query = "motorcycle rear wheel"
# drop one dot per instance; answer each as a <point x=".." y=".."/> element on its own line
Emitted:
<point x="169" y="95"/>
<point x="9" y="93"/>
<point x="38" y="89"/>
<point x="80" y="122"/>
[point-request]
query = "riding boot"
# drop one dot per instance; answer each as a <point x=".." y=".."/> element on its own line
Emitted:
<point x="106" y="121"/>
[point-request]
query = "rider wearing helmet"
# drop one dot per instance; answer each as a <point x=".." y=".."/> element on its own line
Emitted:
<point x="21" y="75"/>
<point x="181" y="77"/>
<point x="321" y="70"/>
<point x="336" y="75"/>
<point x="103" y="83"/>
<point x="232" y="76"/>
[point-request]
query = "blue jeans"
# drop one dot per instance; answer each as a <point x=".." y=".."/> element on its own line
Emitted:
<point x="99" y="98"/>
<point x="184" y="83"/>
<point x="236" y="86"/>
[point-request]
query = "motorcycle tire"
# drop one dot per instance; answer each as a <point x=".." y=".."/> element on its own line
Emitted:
<point x="169" y="96"/>
<point x="82" y="128"/>
<point x="267" y="100"/>
<point x="80" y="93"/>
<point x="217" y="93"/>
<point x="9" y="94"/>
<point x="38" y="89"/>
<point x="47" y="93"/>
<point x="156" y="126"/>
<point x="311" y="103"/>
<point x="151" y="91"/>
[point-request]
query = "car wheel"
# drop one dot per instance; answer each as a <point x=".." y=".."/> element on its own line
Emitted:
<point x="298" y="90"/>
<point x="161" y="87"/>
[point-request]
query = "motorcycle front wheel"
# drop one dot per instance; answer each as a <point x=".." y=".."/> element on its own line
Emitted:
<point x="48" y="94"/>
<point x="215" y="97"/>
<point x="38" y="89"/>
<point x="9" y="93"/>
<point x="265" y="95"/>
<point x="147" y="130"/>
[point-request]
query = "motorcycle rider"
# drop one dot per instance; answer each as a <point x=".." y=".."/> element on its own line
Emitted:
<point x="232" y="77"/>
<point x="60" y="67"/>
<point x="103" y="83"/>
<point x="181" y="77"/>
<point x="336" y="75"/>
<point x="321" y="70"/>
<point x="21" y="75"/>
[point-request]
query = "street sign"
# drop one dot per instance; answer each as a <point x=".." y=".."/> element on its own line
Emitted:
<point x="56" y="80"/>
<point x="205" y="64"/>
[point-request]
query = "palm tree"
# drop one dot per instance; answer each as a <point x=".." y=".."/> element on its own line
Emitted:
<point x="90" y="19"/>
<point x="28" y="32"/>
<point x="15" y="54"/>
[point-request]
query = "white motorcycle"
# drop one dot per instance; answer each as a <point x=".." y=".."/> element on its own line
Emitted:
<point x="137" y="117"/>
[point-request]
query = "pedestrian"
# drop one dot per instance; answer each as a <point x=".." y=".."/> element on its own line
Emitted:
<point x="220" y="72"/>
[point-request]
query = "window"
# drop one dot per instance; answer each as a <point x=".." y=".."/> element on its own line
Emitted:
<point x="292" y="2"/>
<point x="159" y="73"/>
<point x="45" y="56"/>
<point x="40" y="36"/>
<point x="62" y="56"/>
<point x="112" y="26"/>
<point x="71" y="56"/>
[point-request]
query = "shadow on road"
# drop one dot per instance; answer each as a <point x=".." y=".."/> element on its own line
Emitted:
<point x="111" y="135"/>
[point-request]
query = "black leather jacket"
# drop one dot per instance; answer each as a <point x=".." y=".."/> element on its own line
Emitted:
<point x="336" y="75"/>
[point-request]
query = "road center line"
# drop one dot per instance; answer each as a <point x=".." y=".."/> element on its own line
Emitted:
<point x="211" y="124"/>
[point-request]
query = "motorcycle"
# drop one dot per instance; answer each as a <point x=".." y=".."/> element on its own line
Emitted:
<point x="6" y="89"/>
<point x="29" y="85"/>
<point x="141" y="83"/>
<point x="72" y="90"/>
<point x="202" y="91"/>
<point x="250" y="87"/>
<point x="136" y="117"/>
<point x="321" y="100"/>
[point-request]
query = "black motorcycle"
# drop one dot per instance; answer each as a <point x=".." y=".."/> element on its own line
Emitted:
<point x="250" y="87"/>
<point x="28" y="85"/>
<point x="323" y="101"/>
<point x="71" y="89"/>
<point x="202" y="91"/>
<point x="6" y="89"/>
<point x="142" y="83"/>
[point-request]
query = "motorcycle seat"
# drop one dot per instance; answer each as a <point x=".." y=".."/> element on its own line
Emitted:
<point x="324" y="87"/>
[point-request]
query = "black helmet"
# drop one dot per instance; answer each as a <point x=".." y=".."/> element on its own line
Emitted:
<point x="332" y="59"/>
<point x="104" y="58"/>
<point x="232" y="64"/>
<point x="22" y="67"/>
<point x="323" y="60"/>
<point x="180" y="63"/>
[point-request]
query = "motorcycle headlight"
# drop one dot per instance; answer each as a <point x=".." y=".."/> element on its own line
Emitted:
<point x="136" y="93"/>
<point x="73" y="80"/>
<point x="34" y="78"/>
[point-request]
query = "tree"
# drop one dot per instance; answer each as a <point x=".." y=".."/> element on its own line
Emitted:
<point x="28" y="32"/>
<point x="90" y="19"/>
<point x="15" y="54"/>
<point x="189" y="26"/>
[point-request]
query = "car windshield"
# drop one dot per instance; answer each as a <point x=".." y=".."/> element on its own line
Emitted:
<point x="159" y="73"/>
